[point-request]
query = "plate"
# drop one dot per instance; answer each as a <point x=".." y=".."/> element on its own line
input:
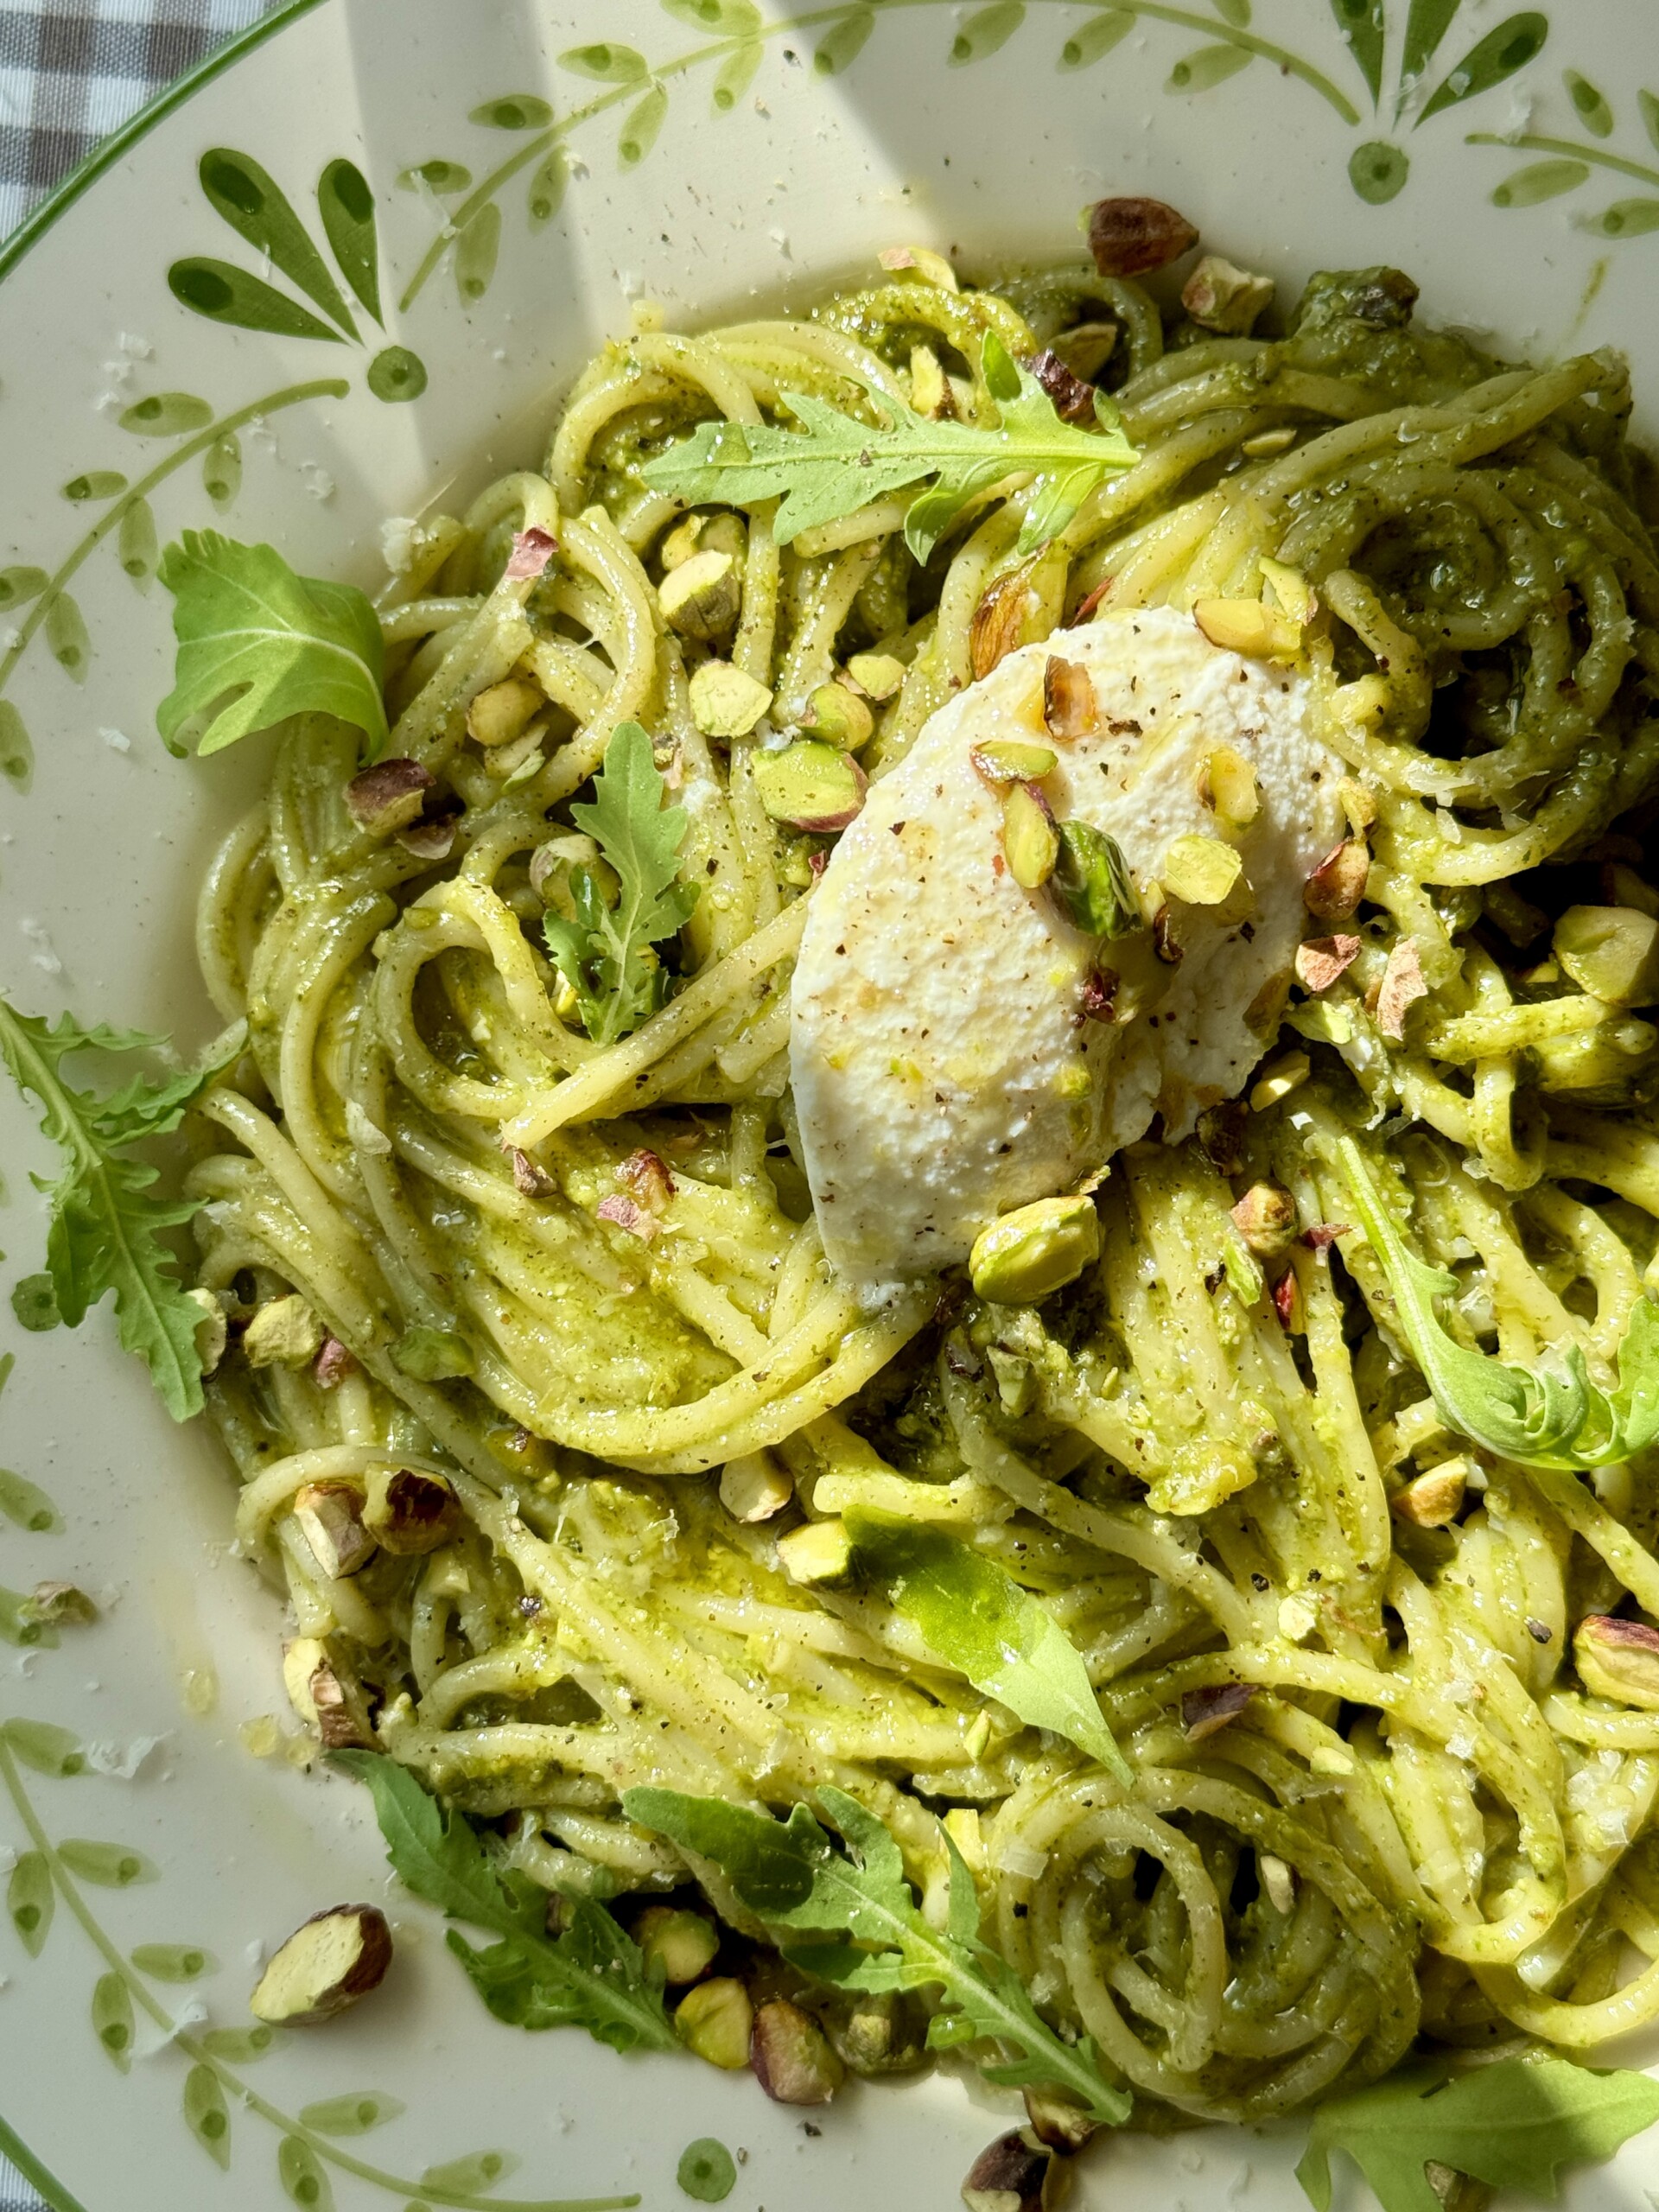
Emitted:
<point x="499" y="184"/>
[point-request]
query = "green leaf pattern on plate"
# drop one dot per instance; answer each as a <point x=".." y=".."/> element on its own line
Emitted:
<point x="173" y="1961"/>
<point x="1206" y="68"/>
<point x="18" y="585"/>
<point x="481" y="2171"/>
<point x="46" y="1747"/>
<point x="986" y="32"/>
<point x="251" y="200"/>
<point x="205" y="2114"/>
<point x="302" y="2175"/>
<point x="111" y="1866"/>
<point x="166" y="415"/>
<point x="30" y="1900"/>
<point x="476" y="250"/>
<point x="21" y="1501"/>
<point x="222" y="470"/>
<point x="137" y="547"/>
<point x="639" y="132"/>
<point x="346" y="207"/>
<point x="351" y="2115"/>
<point x="112" y="2020"/>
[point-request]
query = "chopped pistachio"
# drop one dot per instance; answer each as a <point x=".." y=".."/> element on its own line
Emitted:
<point x="1358" y="803"/>
<point x="1165" y="943"/>
<point x="389" y="796"/>
<point x="1034" y="1251"/>
<point x="1612" y="952"/>
<point x="500" y="713"/>
<point x="1054" y="2119"/>
<point x="1070" y="706"/>
<point x="726" y="702"/>
<point x="1292" y="590"/>
<point x="1086" y="347"/>
<point x="681" y="542"/>
<point x="1263" y="444"/>
<point x="1402" y="985"/>
<point x="880" y="2034"/>
<point x="1014" y="2174"/>
<point x="1267" y="1009"/>
<point x="1227" y="786"/>
<point x="715" y="2020"/>
<point x="1337" y="884"/>
<point x="1279" y="1882"/>
<point x="683" y="1943"/>
<point x="330" y="1518"/>
<point x="820" y="1553"/>
<point x="1266" y="1219"/>
<point x="1202" y="871"/>
<point x="879" y="676"/>
<point x="408" y="1511"/>
<point x="754" y="1487"/>
<point x="810" y="784"/>
<point x="701" y="598"/>
<point x="1129" y="235"/>
<point x="725" y="533"/>
<point x="840" y="717"/>
<point x="330" y="1963"/>
<point x="1007" y="617"/>
<point x="213" y="1330"/>
<point x="301" y="1656"/>
<point x="930" y="394"/>
<point x="1093" y="880"/>
<point x="1618" y="1660"/>
<point x="1031" y="843"/>
<point x="791" y="2056"/>
<point x="283" y="1332"/>
<point x="432" y="1354"/>
<point x="1248" y="627"/>
<point x="1278" y="1079"/>
<point x="1220" y="296"/>
<point x="1006" y="760"/>
<point x="1432" y="1500"/>
<point x="919" y="264"/>
<point x="1323" y="961"/>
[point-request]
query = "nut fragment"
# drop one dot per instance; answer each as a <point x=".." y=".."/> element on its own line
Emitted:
<point x="388" y="796"/>
<point x="1222" y="297"/>
<point x="433" y="1355"/>
<point x="879" y="676"/>
<point x="811" y="784"/>
<point x="61" y="1604"/>
<point x="213" y="1330"/>
<point x="1031" y="843"/>
<point x="1070" y="707"/>
<point x="342" y="1712"/>
<point x="1055" y="2120"/>
<point x="649" y="1182"/>
<point x="819" y="1553"/>
<point x="1003" y="620"/>
<point x="1266" y="1219"/>
<point x="283" y="1332"/>
<point x="430" y="840"/>
<point x="330" y="1517"/>
<point x="1321" y="961"/>
<point x="1220" y="1136"/>
<point x="1006" y="760"/>
<point x="1012" y="2175"/>
<point x="725" y="701"/>
<point x="1249" y="626"/>
<point x="332" y="1364"/>
<point x="1337" y="884"/>
<point x="930" y="392"/>
<point x="1205" y="1710"/>
<point x="1226" y="786"/>
<point x="1035" y="1250"/>
<point x="1278" y="1880"/>
<point x="1165" y="943"/>
<point x="701" y="598"/>
<point x="1401" y="986"/>
<point x="1278" y="1079"/>
<point x="1432" y="1500"/>
<point x="715" y="2020"/>
<point x="754" y="1487"/>
<point x="1131" y="237"/>
<point x="1292" y="590"/>
<point x="1201" y="871"/>
<point x="501" y="713"/>
<point x="1092" y="880"/>
<point x="791" y="2055"/>
<point x="1612" y="952"/>
<point x="331" y="1963"/>
<point x="1618" y="1660"/>
<point x="921" y="264"/>
<point x="1086" y="347"/>
<point x="683" y="1943"/>
<point x="532" y="549"/>
<point x="1073" y="397"/>
<point x="408" y="1511"/>
<point x="840" y="717"/>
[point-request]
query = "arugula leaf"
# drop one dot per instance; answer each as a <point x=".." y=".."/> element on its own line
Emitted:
<point x="1513" y="2124"/>
<point x="103" y="1233"/>
<point x="1537" y="1418"/>
<point x="604" y="955"/>
<point x="791" y="1876"/>
<point x="257" y="642"/>
<point x="593" y="1976"/>
<point x="975" y="1619"/>
<point x="835" y="464"/>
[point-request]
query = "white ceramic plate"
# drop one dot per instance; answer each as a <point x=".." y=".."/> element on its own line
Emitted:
<point x="701" y="152"/>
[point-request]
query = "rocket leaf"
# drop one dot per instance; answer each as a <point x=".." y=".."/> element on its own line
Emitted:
<point x="835" y="464"/>
<point x="791" y="1875"/>
<point x="102" y="1236"/>
<point x="1513" y="2124"/>
<point x="257" y="642"/>
<point x="593" y="1976"/>
<point x="605" y="955"/>
<point x="975" y="1618"/>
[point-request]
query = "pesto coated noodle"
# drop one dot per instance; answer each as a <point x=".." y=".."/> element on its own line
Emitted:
<point x="580" y="1278"/>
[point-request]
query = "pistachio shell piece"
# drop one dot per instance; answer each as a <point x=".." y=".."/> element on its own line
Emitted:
<point x="1034" y="1251"/>
<point x="810" y="784"/>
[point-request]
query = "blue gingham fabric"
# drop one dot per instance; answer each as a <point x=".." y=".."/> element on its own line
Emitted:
<point x="72" y="72"/>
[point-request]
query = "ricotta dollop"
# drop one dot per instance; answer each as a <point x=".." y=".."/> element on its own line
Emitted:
<point x="943" y="1064"/>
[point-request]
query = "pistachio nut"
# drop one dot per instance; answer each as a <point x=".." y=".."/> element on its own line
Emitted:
<point x="878" y="675"/>
<point x="791" y="2056"/>
<point x="810" y="784"/>
<point x="819" y="1553"/>
<point x="840" y="717"/>
<point x="1005" y="761"/>
<point x="715" y="2020"/>
<point x="1093" y="880"/>
<point x="283" y="1332"/>
<point x="683" y="1943"/>
<point x="725" y="701"/>
<point x="1432" y="1500"/>
<point x="1222" y="297"/>
<point x="1034" y="1251"/>
<point x="504" y="711"/>
<point x="1227" y="786"/>
<point x="701" y="598"/>
<point x="1337" y="884"/>
<point x="1031" y="843"/>
<point x="1266" y="1219"/>
<point x="1249" y="626"/>
<point x="1618" y="1660"/>
<point x="1612" y="952"/>
<point x="1201" y="871"/>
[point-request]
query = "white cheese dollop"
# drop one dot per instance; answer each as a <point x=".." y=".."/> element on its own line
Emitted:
<point x="943" y="1069"/>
